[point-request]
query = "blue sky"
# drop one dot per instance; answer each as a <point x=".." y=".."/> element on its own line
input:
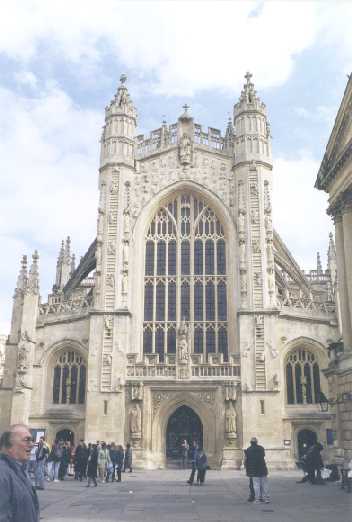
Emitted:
<point x="60" y="63"/>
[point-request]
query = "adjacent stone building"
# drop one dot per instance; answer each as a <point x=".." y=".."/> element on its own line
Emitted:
<point x="187" y="317"/>
<point x="335" y="177"/>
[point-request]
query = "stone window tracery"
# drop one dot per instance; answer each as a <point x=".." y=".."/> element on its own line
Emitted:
<point x="69" y="379"/>
<point x="185" y="278"/>
<point x="302" y="377"/>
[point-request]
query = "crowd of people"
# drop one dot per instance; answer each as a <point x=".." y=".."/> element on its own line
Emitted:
<point x="90" y="462"/>
<point x="24" y="467"/>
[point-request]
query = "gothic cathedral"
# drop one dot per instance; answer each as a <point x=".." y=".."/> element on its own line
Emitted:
<point x="188" y="317"/>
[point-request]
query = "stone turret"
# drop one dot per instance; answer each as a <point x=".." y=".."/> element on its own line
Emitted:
<point x="252" y="168"/>
<point x="229" y="137"/>
<point x="252" y="129"/>
<point x="117" y="142"/>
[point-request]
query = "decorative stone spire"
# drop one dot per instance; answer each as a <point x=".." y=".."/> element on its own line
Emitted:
<point x="64" y="265"/>
<point x="332" y="262"/>
<point x="22" y="277"/>
<point x="165" y="134"/>
<point x="319" y="265"/>
<point x="117" y="142"/>
<point x="185" y="116"/>
<point x="33" y="276"/>
<point x="229" y="136"/>
<point x="252" y="128"/>
<point x="73" y="263"/>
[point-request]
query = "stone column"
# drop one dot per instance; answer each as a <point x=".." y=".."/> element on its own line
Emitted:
<point x="342" y="281"/>
<point x="347" y="243"/>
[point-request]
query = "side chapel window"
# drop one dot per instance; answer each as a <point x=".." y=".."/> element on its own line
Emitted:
<point x="69" y="382"/>
<point x="185" y="278"/>
<point x="302" y="377"/>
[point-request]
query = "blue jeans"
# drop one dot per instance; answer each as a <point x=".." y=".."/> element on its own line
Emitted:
<point x="39" y="474"/>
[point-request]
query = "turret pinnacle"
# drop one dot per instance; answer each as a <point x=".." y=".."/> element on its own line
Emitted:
<point x="64" y="265"/>
<point x="33" y="276"/>
<point x="252" y="129"/>
<point x="117" y="142"/>
<point x="229" y="135"/>
<point x="22" y="277"/>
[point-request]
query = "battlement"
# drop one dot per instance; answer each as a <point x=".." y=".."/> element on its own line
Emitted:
<point x="167" y="136"/>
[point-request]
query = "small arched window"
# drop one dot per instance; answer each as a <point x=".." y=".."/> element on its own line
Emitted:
<point x="302" y="377"/>
<point x="69" y="379"/>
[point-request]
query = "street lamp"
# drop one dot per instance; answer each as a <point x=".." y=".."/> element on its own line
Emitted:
<point x="341" y="399"/>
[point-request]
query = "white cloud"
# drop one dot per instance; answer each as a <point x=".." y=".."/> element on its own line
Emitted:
<point x="300" y="210"/>
<point x="185" y="46"/>
<point x="49" y="152"/>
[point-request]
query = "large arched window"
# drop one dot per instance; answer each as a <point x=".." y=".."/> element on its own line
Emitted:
<point x="185" y="278"/>
<point x="69" y="380"/>
<point x="302" y="377"/>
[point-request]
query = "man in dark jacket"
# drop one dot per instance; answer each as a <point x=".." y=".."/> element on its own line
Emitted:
<point x="256" y="468"/>
<point x="314" y="463"/>
<point x="18" y="499"/>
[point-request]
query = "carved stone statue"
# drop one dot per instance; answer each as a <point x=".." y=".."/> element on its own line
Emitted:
<point x="230" y="420"/>
<point x="185" y="150"/>
<point x="125" y="254"/>
<point x="135" y="419"/>
<point x="183" y="343"/>
<point x="126" y="223"/>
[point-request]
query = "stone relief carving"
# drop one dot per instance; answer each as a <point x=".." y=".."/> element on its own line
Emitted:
<point x="254" y="216"/>
<point x="230" y="391"/>
<point x="110" y="280"/>
<point x="183" y="343"/>
<point x="137" y="391"/>
<point x="111" y="248"/>
<point x="256" y="246"/>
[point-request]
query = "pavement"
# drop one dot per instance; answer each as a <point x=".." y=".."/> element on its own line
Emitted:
<point x="164" y="496"/>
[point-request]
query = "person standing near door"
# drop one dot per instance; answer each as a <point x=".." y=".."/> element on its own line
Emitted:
<point x="194" y="455"/>
<point x="256" y="468"/>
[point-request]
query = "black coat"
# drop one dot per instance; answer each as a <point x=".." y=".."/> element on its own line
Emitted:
<point x="92" y="463"/>
<point x="18" y="499"/>
<point x="255" y="461"/>
<point x="313" y="458"/>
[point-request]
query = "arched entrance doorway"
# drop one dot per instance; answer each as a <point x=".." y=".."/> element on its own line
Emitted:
<point x="184" y="423"/>
<point x="305" y="439"/>
<point x="66" y="435"/>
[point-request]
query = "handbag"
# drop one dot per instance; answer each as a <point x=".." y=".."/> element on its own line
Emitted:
<point x="325" y="473"/>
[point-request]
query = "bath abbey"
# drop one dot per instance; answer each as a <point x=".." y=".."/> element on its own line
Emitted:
<point x="188" y="316"/>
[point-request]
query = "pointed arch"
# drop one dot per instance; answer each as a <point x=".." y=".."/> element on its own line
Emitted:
<point x="175" y="242"/>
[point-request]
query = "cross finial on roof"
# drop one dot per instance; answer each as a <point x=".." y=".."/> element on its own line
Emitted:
<point x="248" y="76"/>
<point x="123" y="78"/>
<point x="186" y="107"/>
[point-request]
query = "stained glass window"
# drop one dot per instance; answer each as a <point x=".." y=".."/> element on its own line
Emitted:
<point x="185" y="278"/>
<point x="302" y="377"/>
<point x="69" y="379"/>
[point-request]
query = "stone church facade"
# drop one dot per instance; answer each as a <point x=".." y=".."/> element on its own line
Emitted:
<point x="187" y="317"/>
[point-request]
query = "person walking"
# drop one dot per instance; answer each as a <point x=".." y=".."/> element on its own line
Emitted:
<point x="65" y="459"/>
<point x="103" y="462"/>
<point x="184" y="452"/>
<point x="54" y="461"/>
<point x="128" y="458"/>
<point x="41" y="455"/>
<point x="92" y="467"/>
<point x="194" y="454"/>
<point x="202" y="466"/>
<point x="251" y="497"/>
<point x="18" y="499"/>
<point x="80" y="461"/>
<point x="120" y="461"/>
<point x="257" y="470"/>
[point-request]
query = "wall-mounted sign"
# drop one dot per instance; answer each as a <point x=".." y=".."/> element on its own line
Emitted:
<point x="287" y="443"/>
